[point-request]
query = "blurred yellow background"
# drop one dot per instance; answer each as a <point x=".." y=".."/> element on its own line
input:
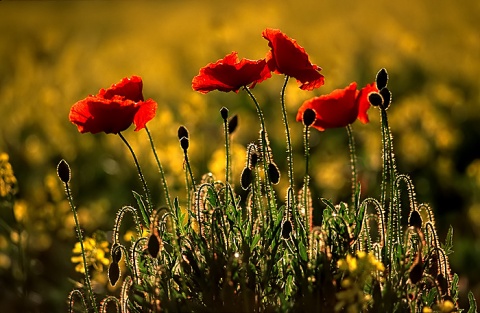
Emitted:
<point x="53" y="54"/>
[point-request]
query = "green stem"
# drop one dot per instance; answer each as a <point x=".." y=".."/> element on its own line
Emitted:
<point x="353" y="162"/>
<point x="263" y="132"/>
<point x="160" y="168"/>
<point x="227" y="159"/>
<point x="91" y="297"/>
<point x="140" y="173"/>
<point x="306" y="181"/>
<point x="287" y="132"/>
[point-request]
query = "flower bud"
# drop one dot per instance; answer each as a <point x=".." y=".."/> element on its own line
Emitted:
<point x="381" y="79"/>
<point x="232" y="124"/>
<point x="273" y="173"/>
<point x="375" y="99"/>
<point x="246" y="178"/>
<point x="287" y="229"/>
<point x="63" y="171"/>
<point x="415" y="219"/>
<point x="182" y="132"/>
<point x="387" y="97"/>
<point x="224" y="113"/>
<point x="184" y="143"/>
<point x="113" y="273"/>
<point x="153" y="245"/>
<point x="309" y="117"/>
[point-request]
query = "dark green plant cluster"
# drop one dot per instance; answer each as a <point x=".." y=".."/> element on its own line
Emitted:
<point x="218" y="252"/>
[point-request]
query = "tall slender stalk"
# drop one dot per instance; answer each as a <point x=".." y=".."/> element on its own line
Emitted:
<point x="287" y="133"/>
<point x="353" y="161"/>
<point x="140" y="174"/>
<point x="160" y="168"/>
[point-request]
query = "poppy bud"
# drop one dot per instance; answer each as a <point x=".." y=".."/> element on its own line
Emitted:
<point x="309" y="117"/>
<point x="153" y="245"/>
<point x="184" y="143"/>
<point x="116" y="253"/>
<point x="273" y="173"/>
<point x="416" y="272"/>
<point x="415" y="219"/>
<point x="442" y="282"/>
<point x="253" y="159"/>
<point x="382" y="79"/>
<point x="232" y="124"/>
<point x="63" y="171"/>
<point x="113" y="273"/>
<point x="224" y="113"/>
<point x="375" y="99"/>
<point x="387" y="97"/>
<point x="246" y="178"/>
<point x="287" y="229"/>
<point x="182" y="132"/>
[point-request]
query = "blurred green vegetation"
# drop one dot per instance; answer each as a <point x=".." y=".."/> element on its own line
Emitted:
<point x="53" y="54"/>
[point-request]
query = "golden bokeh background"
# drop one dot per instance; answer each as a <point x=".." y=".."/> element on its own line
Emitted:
<point x="53" y="54"/>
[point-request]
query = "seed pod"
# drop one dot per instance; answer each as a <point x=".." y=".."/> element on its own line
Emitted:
<point x="182" y="132"/>
<point x="273" y="173"/>
<point x="246" y="178"/>
<point x="232" y="124"/>
<point x="63" y="171"/>
<point x="153" y="245"/>
<point x="415" y="219"/>
<point x="382" y="79"/>
<point x="309" y="117"/>
<point x="113" y="273"/>
<point x="184" y="143"/>
<point x="387" y="97"/>
<point x="224" y="113"/>
<point x="442" y="282"/>
<point x="287" y="229"/>
<point x="253" y="159"/>
<point x="375" y="99"/>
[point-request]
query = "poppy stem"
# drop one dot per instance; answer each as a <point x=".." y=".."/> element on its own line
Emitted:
<point x="306" y="181"/>
<point x="287" y="132"/>
<point x="160" y="168"/>
<point x="353" y="161"/>
<point x="88" y="284"/>
<point x="227" y="158"/>
<point x="265" y="152"/>
<point x="140" y="174"/>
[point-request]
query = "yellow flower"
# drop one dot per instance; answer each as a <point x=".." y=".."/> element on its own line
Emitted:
<point x="426" y="309"/>
<point x="94" y="254"/>
<point x="447" y="306"/>
<point x="8" y="182"/>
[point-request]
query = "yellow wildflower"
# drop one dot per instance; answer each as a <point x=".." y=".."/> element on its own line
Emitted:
<point x="94" y="254"/>
<point x="8" y="182"/>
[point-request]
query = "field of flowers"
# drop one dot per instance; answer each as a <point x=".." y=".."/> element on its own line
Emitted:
<point x="54" y="53"/>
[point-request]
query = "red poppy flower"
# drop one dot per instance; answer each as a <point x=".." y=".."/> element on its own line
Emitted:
<point x="289" y="58"/>
<point x="339" y="108"/>
<point x="230" y="74"/>
<point x="114" y="109"/>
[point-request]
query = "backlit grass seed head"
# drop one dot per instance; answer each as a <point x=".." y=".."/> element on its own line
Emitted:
<point x="63" y="171"/>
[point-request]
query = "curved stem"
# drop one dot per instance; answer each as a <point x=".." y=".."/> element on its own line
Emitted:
<point x="80" y="239"/>
<point x="140" y="173"/>
<point x="287" y="133"/>
<point x="160" y="168"/>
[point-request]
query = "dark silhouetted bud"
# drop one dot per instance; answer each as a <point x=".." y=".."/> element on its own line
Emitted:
<point x="184" y="143"/>
<point x="273" y="173"/>
<point x="224" y="113"/>
<point x="433" y="265"/>
<point x="442" y="282"/>
<point x="309" y="117"/>
<point x="375" y="99"/>
<point x="232" y="124"/>
<point x="382" y="79"/>
<point x="416" y="272"/>
<point x="287" y="229"/>
<point x="182" y="132"/>
<point x="153" y="245"/>
<point x="415" y="219"/>
<point x="113" y="273"/>
<point x="116" y="253"/>
<point x="63" y="171"/>
<point x="246" y="178"/>
<point x="387" y="97"/>
<point x="253" y="159"/>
